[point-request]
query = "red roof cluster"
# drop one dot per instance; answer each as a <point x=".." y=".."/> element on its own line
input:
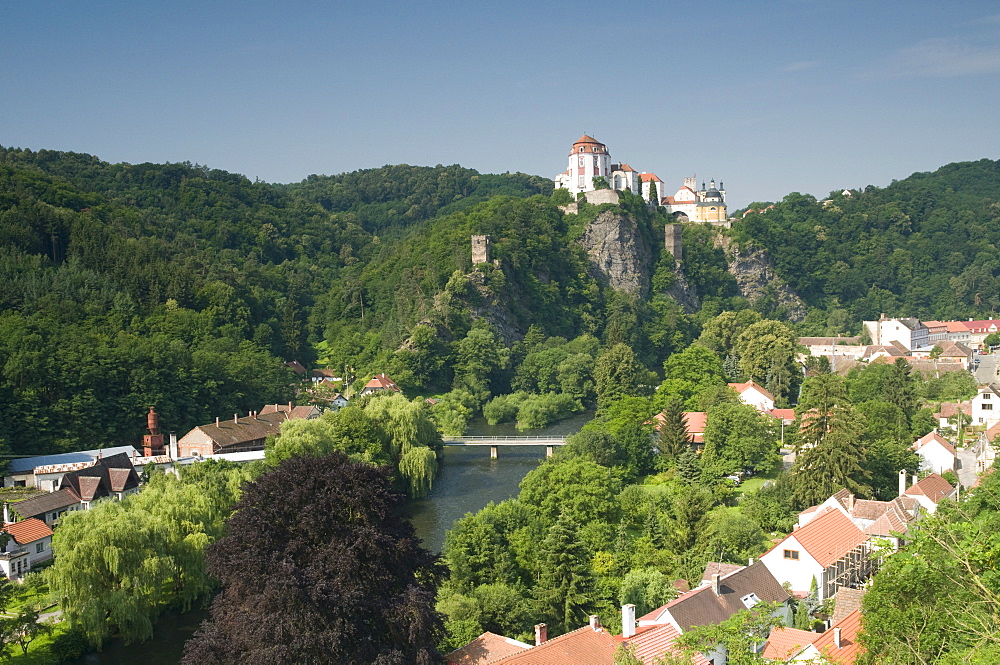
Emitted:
<point x="28" y="531"/>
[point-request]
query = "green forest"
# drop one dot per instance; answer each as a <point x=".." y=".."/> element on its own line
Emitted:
<point x="188" y="289"/>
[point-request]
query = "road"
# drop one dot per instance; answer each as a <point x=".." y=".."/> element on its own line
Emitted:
<point x="987" y="372"/>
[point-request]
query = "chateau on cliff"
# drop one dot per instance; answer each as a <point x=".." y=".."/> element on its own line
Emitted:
<point x="589" y="159"/>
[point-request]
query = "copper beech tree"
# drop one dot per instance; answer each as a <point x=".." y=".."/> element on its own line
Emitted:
<point x="319" y="566"/>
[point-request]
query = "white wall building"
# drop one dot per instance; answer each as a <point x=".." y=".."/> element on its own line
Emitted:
<point x="908" y="331"/>
<point x="986" y="405"/>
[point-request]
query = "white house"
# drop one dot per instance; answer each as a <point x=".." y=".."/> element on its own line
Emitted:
<point x="929" y="491"/>
<point x="29" y="542"/>
<point x="755" y="395"/>
<point x="937" y="455"/>
<point x="986" y="405"/>
<point x="909" y="332"/>
<point x="829" y="550"/>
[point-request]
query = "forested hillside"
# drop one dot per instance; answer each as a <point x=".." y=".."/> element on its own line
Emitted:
<point x="925" y="246"/>
<point x="184" y="287"/>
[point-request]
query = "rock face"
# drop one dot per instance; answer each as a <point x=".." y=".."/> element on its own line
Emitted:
<point x="618" y="252"/>
<point x="756" y="278"/>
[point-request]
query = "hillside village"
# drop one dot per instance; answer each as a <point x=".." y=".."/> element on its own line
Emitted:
<point x="803" y="588"/>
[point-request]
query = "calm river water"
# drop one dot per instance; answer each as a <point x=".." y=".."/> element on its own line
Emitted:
<point x="467" y="480"/>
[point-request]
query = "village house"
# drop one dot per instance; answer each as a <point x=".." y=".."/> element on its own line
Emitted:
<point x="379" y="383"/>
<point x="889" y="520"/>
<point x="45" y="471"/>
<point x="909" y="332"/>
<point x="947" y="416"/>
<point x="937" y="454"/>
<point x="829" y="552"/>
<point x="838" y="646"/>
<point x="929" y="491"/>
<point x="986" y="405"/>
<point x="29" y="542"/>
<point x="722" y="595"/>
<point x="486" y="648"/>
<point x="590" y="645"/>
<point x="48" y="507"/>
<point x="947" y="351"/>
<point x="241" y="434"/>
<point x="755" y="395"/>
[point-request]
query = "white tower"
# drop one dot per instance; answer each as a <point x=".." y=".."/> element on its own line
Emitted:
<point x="588" y="159"/>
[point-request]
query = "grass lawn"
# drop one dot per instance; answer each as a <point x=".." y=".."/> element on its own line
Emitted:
<point x="39" y="651"/>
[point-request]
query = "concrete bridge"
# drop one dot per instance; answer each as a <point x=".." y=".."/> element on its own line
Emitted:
<point x="494" y="442"/>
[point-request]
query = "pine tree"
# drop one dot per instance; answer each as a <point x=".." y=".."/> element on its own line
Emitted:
<point x="566" y="587"/>
<point x="688" y="467"/>
<point x="673" y="438"/>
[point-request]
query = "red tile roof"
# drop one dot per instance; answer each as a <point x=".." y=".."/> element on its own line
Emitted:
<point x="783" y="643"/>
<point x="626" y="168"/>
<point x="587" y="140"/>
<point x="28" y="531"/>
<point x="381" y="382"/>
<point x="788" y="415"/>
<point x="829" y="536"/>
<point x="649" y="177"/>
<point x="747" y="385"/>
<point x="847" y="601"/>
<point x="486" y="648"/>
<point x="934" y="437"/>
<point x="720" y="569"/>
<point x="583" y="646"/>
<point x="934" y="487"/>
<point x="651" y="643"/>
<point x="849" y="648"/>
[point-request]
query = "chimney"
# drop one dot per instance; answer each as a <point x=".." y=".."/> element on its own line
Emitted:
<point x="836" y="636"/>
<point x="916" y="479"/>
<point x="750" y="563"/>
<point x="173" y="445"/>
<point x="715" y="584"/>
<point x="595" y="622"/>
<point x="850" y="503"/>
<point x="628" y="620"/>
<point x="541" y="633"/>
<point x="902" y="482"/>
<point x="217" y="421"/>
<point x="6" y="520"/>
<point x="236" y="419"/>
<point x="289" y="406"/>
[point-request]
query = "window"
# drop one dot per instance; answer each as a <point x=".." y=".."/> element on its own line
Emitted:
<point x="750" y="600"/>
<point x="987" y="407"/>
<point x="580" y="183"/>
<point x="39" y="548"/>
<point x="986" y="395"/>
<point x="792" y="554"/>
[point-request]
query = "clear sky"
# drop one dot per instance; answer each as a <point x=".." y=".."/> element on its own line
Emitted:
<point x="769" y="97"/>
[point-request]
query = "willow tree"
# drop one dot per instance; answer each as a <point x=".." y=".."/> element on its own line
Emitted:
<point x="118" y="564"/>
<point x="418" y="466"/>
<point x="406" y="423"/>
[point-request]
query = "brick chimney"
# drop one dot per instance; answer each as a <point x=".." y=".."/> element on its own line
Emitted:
<point x="715" y="584"/>
<point x="628" y="620"/>
<point x="836" y="636"/>
<point x="541" y="633"/>
<point x="595" y="622"/>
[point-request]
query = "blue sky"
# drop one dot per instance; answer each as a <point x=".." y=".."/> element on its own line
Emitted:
<point x="770" y="97"/>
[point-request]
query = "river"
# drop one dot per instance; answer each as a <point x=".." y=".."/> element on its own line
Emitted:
<point x="467" y="480"/>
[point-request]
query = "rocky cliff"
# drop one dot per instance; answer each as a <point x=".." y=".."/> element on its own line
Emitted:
<point x="756" y="278"/>
<point x="618" y="252"/>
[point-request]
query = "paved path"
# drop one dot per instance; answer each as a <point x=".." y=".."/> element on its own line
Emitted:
<point x="987" y="371"/>
<point x="967" y="466"/>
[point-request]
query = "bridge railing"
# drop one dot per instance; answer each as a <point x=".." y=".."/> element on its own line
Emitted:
<point x="486" y="439"/>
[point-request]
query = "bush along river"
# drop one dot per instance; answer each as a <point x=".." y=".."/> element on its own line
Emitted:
<point x="467" y="480"/>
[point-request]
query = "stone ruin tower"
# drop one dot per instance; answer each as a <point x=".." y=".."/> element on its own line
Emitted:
<point x="672" y="240"/>
<point x="480" y="249"/>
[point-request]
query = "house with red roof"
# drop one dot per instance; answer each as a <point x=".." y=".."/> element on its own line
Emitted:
<point x="839" y="645"/>
<point x="929" y="491"/>
<point x="651" y="643"/>
<point x="755" y="395"/>
<point x="937" y="454"/>
<point x="28" y="542"/>
<point x="486" y="648"/>
<point x="378" y="383"/>
<point x="590" y="645"/>
<point x="829" y="550"/>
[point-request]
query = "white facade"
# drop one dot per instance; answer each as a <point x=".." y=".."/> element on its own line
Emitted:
<point x="908" y="332"/>
<point x="936" y="454"/>
<point x="790" y="562"/>
<point x="986" y="406"/>
<point x="588" y="159"/>
<point x="754" y="395"/>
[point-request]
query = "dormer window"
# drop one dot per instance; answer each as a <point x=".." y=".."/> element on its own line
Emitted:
<point x="750" y="600"/>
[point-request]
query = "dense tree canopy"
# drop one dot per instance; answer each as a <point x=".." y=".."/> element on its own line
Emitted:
<point x="318" y="565"/>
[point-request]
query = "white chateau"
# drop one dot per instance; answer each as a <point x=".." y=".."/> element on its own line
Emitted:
<point x="589" y="159"/>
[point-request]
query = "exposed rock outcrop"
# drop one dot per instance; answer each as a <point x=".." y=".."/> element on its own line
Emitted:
<point x="618" y="253"/>
<point x="756" y="278"/>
